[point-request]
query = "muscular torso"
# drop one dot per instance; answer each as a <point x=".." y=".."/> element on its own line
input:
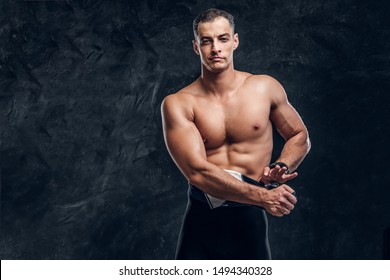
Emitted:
<point x="236" y="129"/>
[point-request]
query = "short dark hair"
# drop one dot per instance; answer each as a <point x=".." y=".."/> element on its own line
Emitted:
<point x="209" y="16"/>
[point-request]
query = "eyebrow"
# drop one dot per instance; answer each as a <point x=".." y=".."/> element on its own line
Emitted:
<point x="219" y="36"/>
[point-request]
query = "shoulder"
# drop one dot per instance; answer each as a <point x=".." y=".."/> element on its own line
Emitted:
<point x="179" y="104"/>
<point x="181" y="98"/>
<point x="264" y="82"/>
<point x="185" y="97"/>
<point x="268" y="86"/>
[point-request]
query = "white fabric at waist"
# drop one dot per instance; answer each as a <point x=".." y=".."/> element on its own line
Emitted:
<point x="235" y="174"/>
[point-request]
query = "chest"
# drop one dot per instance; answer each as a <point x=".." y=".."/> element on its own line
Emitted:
<point x="237" y="120"/>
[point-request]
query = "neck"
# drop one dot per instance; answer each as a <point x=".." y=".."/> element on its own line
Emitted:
<point x="218" y="83"/>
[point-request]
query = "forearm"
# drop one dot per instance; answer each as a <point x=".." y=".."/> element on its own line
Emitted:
<point x="295" y="149"/>
<point x="216" y="182"/>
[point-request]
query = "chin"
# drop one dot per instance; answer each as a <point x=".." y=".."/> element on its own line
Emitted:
<point x="217" y="69"/>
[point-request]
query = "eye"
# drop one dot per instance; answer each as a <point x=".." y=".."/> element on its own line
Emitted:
<point x="205" y="41"/>
<point x="224" y="39"/>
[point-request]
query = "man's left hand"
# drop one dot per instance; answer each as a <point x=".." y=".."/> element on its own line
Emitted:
<point x="276" y="174"/>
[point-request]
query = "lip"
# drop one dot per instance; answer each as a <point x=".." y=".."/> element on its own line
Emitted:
<point x="216" y="58"/>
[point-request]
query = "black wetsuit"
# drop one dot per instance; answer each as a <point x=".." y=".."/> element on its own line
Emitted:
<point x="236" y="231"/>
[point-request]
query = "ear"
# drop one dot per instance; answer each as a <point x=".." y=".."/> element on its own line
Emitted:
<point x="195" y="46"/>
<point x="236" y="41"/>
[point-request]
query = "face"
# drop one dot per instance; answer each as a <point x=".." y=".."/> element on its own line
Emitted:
<point x="215" y="44"/>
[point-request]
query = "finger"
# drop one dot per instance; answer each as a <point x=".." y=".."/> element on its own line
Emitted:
<point x="275" y="211"/>
<point x="266" y="171"/>
<point x="289" y="206"/>
<point x="277" y="214"/>
<point x="283" y="170"/>
<point x="289" y="194"/>
<point x="284" y="211"/>
<point x="281" y="173"/>
<point x="291" y="198"/>
<point x="265" y="181"/>
<point x="286" y="205"/>
<point x="291" y="176"/>
<point x="287" y="177"/>
<point x="288" y="188"/>
<point x="274" y="172"/>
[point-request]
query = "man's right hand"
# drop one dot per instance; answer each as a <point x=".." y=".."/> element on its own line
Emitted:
<point x="279" y="201"/>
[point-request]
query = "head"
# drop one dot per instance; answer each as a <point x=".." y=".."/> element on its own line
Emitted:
<point x="209" y="16"/>
<point x="215" y="40"/>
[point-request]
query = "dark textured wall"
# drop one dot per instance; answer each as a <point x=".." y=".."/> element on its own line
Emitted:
<point x="84" y="170"/>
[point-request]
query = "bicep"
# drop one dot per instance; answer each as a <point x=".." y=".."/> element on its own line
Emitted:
<point x="286" y="120"/>
<point x="182" y="139"/>
<point x="283" y="115"/>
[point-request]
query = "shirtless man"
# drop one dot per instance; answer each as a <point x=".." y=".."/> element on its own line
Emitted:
<point x="218" y="131"/>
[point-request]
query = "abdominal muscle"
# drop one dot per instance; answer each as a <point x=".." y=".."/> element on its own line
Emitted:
<point x="248" y="159"/>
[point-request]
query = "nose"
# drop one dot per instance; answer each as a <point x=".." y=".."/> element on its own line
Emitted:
<point x="216" y="48"/>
